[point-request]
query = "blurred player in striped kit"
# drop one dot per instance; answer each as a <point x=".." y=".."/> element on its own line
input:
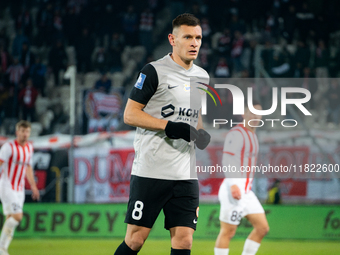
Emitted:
<point x="16" y="158"/>
<point x="237" y="200"/>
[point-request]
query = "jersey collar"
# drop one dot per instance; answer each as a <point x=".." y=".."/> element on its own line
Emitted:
<point x="172" y="62"/>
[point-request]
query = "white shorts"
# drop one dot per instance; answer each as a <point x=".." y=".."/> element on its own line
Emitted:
<point x="12" y="201"/>
<point x="233" y="210"/>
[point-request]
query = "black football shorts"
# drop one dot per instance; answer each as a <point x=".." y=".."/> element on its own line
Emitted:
<point x="179" y="200"/>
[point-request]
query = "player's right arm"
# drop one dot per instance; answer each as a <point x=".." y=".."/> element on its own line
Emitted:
<point x="144" y="88"/>
<point x="5" y="154"/>
<point x="135" y="116"/>
<point x="141" y="93"/>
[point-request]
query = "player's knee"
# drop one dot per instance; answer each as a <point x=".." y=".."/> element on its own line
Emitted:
<point x="17" y="217"/>
<point x="183" y="242"/>
<point x="135" y="242"/>
<point x="228" y="233"/>
<point x="263" y="230"/>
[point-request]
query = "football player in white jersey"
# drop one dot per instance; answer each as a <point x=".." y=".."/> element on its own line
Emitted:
<point x="236" y="197"/>
<point x="16" y="159"/>
<point x="169" y="126"/>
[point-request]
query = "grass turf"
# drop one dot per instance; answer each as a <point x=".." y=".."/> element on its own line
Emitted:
<point x="153" y="246"/>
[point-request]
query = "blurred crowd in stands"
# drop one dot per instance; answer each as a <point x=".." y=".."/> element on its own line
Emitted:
<point x="296" y="39"/>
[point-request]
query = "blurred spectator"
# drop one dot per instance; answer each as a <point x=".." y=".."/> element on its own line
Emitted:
<point x="101" y="60"/>
<point x="302" y="58"/>
<point x="222" y="69"/>
<point x="321" y="60"/>
<point x="45" y="25"/>
<point x="205" y="57"/>
<point x="27" y="58"/>
<point x="267" y="56"/>
<point x="24" y="22"/>
<point x="84" y="50"/>
<point x="3" y="101"/>
<point x="57" y="60"/>
<point x="224" y="44"/>
<point x="333" y="95"/>
<point x="236" y="25"/>
<point x="15" y="71"/>
<point x="249" y="57"/>
<point x="18" y="41"/>
<point x="236" y="51"/>
<point x="4" y="60"/>
<point x="27" y="99"/>
<point x="115" y="51"/>
<point x="334" y="64"/>
<point x="129" y="24"/>
<point x="206" y="30"/>
<point x="146" y="30"/>
<point x="309" y="83"/>
<point x="77" y="5"/>
<point x="320" y="30"/>
<point x="280" y="64"/>
<point x="274" y="193"/>
<point x="103" y="84"/>
<point x="304" y="21"/>
<point x="4" y="40"/>
<point x="58" y="25"/>
<point x="271" y="27"/>
<point x="37" y="73"/>
<point x="289" y="24"/>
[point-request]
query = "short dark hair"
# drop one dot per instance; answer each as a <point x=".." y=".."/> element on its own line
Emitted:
<point x="22" y="123"/>
<point x="185" y="19"/>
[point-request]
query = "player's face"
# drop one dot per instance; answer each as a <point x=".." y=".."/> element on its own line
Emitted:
<point x="23" y="134"/>
<point x="186" y="42"/>
<point x="248" y="115"/>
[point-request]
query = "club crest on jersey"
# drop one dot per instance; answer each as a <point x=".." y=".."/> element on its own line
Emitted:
<point x="140" y="81"/>
<point x="186" y="87"/>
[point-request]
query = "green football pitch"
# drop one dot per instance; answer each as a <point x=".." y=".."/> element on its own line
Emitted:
<point x="153" y="246"/>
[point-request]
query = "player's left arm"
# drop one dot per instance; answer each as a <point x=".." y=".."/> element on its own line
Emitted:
<point x="30" y="178"/>
<point x="204" y="138"/>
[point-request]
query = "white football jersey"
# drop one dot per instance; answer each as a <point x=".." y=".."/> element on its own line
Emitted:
<point x="168" y="92"/>
<point x="15" y="160"/>
<point x="241" y="148"/>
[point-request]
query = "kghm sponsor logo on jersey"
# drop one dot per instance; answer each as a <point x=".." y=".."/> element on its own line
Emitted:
<point x="238" y="105"/>
<point x="184" y="114"/>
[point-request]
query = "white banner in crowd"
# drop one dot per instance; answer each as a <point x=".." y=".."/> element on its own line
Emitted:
<point x="102" y="174"/>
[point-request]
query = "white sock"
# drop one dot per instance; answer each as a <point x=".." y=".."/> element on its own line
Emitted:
<point x="250" y="247"/>
<point x="221" y="251"/>
<point x="8" y="232"/>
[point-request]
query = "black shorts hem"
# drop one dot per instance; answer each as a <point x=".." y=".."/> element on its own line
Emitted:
<point x="181" y="225"/>
<point x="136" y="224"/>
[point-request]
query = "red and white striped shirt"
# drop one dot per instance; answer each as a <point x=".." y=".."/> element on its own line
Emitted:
<point x="15" y="160"/>
<point x="241" y="148"/>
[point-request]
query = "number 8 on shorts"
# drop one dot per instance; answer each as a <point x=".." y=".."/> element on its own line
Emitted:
<point x="137" y="211"/>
